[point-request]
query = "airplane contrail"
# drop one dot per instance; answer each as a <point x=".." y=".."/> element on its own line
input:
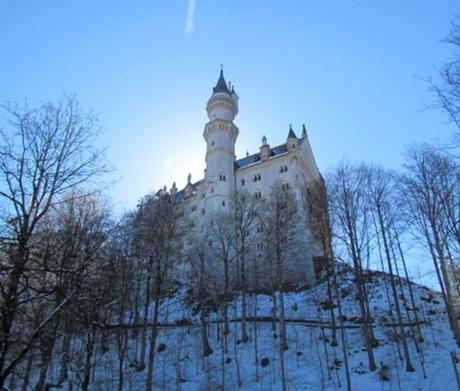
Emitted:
<point x="190" y="16"/>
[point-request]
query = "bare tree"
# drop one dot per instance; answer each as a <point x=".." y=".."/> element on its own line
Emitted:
<point x="44" y="153"/>
<point x="158" y="236"/>
<point x="383" y="197"/>
<point x="351" y="223"/>
<point x="221" y="244"/>
<point x="316" y="202"/>
<point x="447" y="90"/>
<point x="281" y="237"/>
<point x="431" y="185"/>
<point x="71" y="247"/>
<point x="245" y="215"/>
<point x="122" y="276"/>
<point x="197" y="257"/>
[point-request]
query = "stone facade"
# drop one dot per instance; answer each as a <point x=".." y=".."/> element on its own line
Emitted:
<point x="290" y="165"/>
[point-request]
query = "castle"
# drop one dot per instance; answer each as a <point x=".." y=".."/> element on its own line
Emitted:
<point x="290" y="166"/>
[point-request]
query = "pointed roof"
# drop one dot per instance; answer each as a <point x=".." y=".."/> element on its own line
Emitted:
<point x="291" y="133"/>
<point x="304" y="130"/>
<point x="221" y="85"/>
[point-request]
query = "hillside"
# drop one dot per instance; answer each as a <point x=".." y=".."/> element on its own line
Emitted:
<point x="310" y="363"/>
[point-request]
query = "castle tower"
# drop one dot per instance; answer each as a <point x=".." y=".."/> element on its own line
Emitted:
<point x="220" y="134"/>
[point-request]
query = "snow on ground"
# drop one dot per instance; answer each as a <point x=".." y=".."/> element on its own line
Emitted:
<point x="311" y="364"/>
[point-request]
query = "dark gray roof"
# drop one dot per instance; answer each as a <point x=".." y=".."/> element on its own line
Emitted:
<point x="180" y="195"/>
<point x="291" y="133"/>
<point x="221" y="85"/>
<point x="254" y="158"/>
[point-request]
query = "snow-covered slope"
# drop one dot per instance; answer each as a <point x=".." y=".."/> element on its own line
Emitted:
<point x="311" y="362"/>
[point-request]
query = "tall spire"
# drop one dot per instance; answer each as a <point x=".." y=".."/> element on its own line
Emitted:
<point x="221" y="85"/>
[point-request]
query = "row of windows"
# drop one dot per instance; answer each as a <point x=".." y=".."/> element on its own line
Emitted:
<point x="285" y="186"/>
<point x="202" y="210"/>
<point x="258" y="177"/>
<point x="259" y="246"/>
<point x="257" y="196"/>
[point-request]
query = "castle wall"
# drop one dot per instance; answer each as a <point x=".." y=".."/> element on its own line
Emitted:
<point x="290" y="167"/>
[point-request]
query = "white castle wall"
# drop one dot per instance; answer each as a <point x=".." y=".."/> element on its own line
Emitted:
<point x="212" y="194"/>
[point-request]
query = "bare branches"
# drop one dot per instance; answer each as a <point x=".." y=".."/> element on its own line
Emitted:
<point x="45" y="154"/>
<point x="431" y="184"/>
<point x="447" y="91"/>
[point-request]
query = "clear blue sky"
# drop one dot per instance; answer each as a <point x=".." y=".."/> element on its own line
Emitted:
<point x="352" y="71"/>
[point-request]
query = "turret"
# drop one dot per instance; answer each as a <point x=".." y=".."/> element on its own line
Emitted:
<point x="292" y="140"/>
<point x="189" y="187"/>
<point x="223" y="103"/>
<point x="264" y="149"/>
<point x="220" y="134"/>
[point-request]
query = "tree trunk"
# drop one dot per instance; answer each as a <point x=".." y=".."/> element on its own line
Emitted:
<point x="244" y="334"/>
<point x="153" y="338"/>
<point x="409" y="366"/>
<point x="146" y="318"/>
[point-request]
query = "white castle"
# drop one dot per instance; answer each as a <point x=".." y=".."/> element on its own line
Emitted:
<point x="290" y="165"/>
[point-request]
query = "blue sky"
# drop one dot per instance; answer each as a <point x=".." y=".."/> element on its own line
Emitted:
<point x="352" y="71"/>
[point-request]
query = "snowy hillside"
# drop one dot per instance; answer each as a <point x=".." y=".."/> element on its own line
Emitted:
<point x="311" y="362"/>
